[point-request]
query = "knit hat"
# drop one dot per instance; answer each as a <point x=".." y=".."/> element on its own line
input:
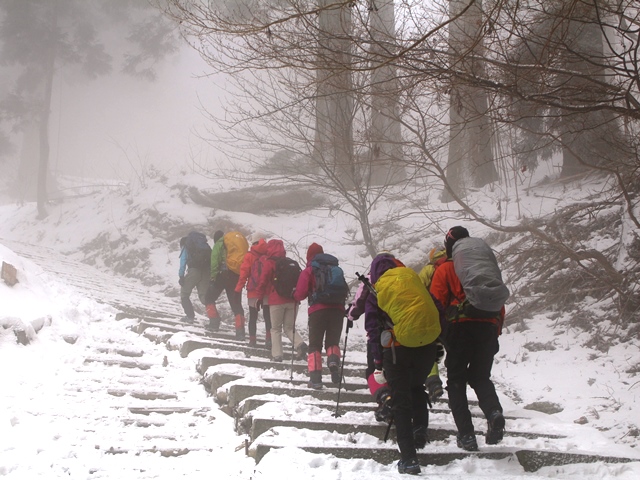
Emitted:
<point x="313" y="250"/>
<point x="218" y="235"/>
<point x="453" y="235"/>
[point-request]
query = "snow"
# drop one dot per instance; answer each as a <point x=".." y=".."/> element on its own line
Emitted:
<point x="59" y="415"/>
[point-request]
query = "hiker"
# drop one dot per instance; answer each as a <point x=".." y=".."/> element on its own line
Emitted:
<point x="250" y="276"/>
<point x="195" y="255"/>
<point x="283" y="309"/>
<point x="471" y="342"/>
<point x="434" y="383"/>
<point x="410" y="324"/>
<point x="226" y="257"/>
<point x="365" y="303"/>
<point x="323" y="283"/>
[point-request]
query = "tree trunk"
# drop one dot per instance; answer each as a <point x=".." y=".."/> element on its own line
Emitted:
<point x="386" y="135"/>
<point x="45" y="114"/>
<point x="470" y="159"/>
<point x="333" y="148"/>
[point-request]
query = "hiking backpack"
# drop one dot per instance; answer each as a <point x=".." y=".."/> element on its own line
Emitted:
<point x="198" y="250"/>
<point x="330" y="286"/>
<point x="436" y="258"/>
<point x="404" y="298"/>
<point x="254" y="275"/>
<point x="477" y="268"/>
<point x="286" y="276"/>
<point x="237" y="246"/>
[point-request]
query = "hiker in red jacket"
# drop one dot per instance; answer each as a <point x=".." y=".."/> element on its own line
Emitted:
<point x="471" y="344"/>
<point x="325" y="323"/>
<point x="283" y="310"/>
<point x="250" y="276"/>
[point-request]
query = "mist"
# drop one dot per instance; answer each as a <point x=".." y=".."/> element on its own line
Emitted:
<point x="116" y="125"/>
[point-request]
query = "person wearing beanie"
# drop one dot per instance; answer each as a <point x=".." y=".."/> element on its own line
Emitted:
<point x="471" y="343"/>
<point x="326" y="318"/>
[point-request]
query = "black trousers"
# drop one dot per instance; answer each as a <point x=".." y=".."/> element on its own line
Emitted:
<point x="253" y="321"/>
<point x="471" y="347"/>
<point x="325" y="325"/>
<point x="226" y="281"/>
<point x="406" y="378"/>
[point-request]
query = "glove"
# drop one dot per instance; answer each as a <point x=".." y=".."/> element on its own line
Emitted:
<point x="378" y="376"/>
<point x="259" y="304"/>
<point x="181" y="281"/>
<point x="349" y="324"/>
<point x="439" y="352"/>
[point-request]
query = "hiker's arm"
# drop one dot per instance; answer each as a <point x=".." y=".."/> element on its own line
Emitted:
<point x="303" y="286"/>
<point x="183" y="263"/>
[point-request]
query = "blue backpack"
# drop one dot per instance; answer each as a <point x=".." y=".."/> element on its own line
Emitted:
<point x="198" y="250"/>
<point x="330" y="285"/>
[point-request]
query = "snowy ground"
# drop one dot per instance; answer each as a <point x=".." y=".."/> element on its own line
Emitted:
<point x="58" y="419"/>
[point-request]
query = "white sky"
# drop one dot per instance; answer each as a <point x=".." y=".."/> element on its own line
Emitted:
<point x="56" y="416"/>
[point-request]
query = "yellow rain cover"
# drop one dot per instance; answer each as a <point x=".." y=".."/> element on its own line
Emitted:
<point x="402" y="295"/>
<point x="237" y="246"/>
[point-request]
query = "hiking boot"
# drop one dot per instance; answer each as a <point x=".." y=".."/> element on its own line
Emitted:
<point x="495" y="428"/>
<point x="434" y="388"/>
<point x="467" y="442"/>
<point x="315" y="385"/>
<point x="383" y="412"/>
<point x="410" y="466"/>
<point x="186" y="319"/>
<point x="214" y="324"/>
<point x="420" y="438"/>
<point x="303" y="351"/>
<point x="252" y="342"/>
<point x="267" y="344"/>
<point x="277" y="359"/>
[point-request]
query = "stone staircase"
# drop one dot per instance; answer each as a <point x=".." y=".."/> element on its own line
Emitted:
<point x="269" y="402"/>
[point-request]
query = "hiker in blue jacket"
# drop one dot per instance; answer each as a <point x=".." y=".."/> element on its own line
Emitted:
<point x="192" y="273"/>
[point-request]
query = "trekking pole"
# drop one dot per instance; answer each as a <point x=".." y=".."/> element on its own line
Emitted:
<point x="367" y="283"/>
<point x="386" y="435"/>
<point x="344" y="354"/>
<point x="293" y="340"/>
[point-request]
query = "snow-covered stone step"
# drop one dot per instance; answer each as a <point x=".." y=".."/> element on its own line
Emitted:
<point x="530" y="460"/>
<point x="237" y="392"/>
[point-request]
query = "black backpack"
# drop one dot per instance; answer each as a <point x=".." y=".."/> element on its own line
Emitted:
<point x="198" y="250"/>
<point x="330" y="286"/>
<point x="286" y="276"/>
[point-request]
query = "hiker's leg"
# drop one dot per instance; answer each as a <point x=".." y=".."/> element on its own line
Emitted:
<point x="334" y="321"/>
<point x="235" y="298"/>
<point x="399" y="378"/>
<point x="266" y="313"/>
<point x="289" y="322"/>
<point x="480" y="367"/>
<point x="189" y="283"/>
<point x="316" y="331"/>
<point x="277" y="322"/>
<point x="459" y="353"/>
<point x="423" y="359"/>
<point x="253" y="319"/>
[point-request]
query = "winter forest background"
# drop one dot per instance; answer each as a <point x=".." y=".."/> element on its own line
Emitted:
<point x="404" y="118"/>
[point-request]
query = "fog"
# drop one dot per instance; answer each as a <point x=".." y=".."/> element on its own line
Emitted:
<point x="115" y="125"/>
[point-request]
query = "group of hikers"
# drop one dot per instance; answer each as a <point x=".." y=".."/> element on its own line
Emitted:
<point x="454" y="305"/>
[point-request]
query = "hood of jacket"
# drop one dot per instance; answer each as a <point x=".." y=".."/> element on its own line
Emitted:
<point x="381" y="264"/>
<point x="259" y="247"/>
<point x="275" y="248"/>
